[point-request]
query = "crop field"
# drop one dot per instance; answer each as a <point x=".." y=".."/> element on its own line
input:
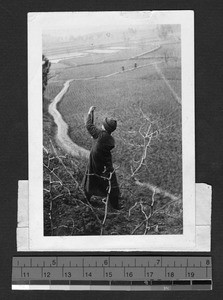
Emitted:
<point x="126" y="53"/>
<point x="141" y="101"/>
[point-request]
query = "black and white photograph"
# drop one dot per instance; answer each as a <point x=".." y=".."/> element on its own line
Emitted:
<point x="114" y="92"/>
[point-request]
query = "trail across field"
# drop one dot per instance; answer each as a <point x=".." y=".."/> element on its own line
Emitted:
<point x="62" y="127"/>
<point x="72" y="148"/>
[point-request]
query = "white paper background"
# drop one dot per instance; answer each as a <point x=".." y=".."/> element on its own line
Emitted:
<point x="182" y="242"/>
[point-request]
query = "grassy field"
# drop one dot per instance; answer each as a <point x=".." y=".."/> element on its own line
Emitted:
<point x="123" y="96"/>
<point x="127" y="52"/>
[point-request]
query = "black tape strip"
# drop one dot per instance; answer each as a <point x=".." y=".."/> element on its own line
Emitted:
<point x="201" y="282"/>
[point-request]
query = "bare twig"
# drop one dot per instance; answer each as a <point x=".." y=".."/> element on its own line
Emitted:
<point x="106" y="201"/>
<point x="132" y="208"/>
<point x="155" y="212"/>
<point x="61" y="161"/>
<point x="51" y="171"/>
<point x="91" y="208"/>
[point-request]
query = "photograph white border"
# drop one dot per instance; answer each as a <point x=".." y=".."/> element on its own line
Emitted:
<point x="37" y="240"/>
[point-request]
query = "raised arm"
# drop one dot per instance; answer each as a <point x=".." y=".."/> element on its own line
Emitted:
<point x="91" y="128"/>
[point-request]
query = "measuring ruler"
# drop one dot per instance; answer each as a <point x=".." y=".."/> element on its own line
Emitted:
<point x="112" y="273"/>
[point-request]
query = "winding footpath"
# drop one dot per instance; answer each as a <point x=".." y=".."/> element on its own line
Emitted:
<point x="62" y="136"/>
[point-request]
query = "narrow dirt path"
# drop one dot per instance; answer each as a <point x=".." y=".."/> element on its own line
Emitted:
<point x="62" y="128"/>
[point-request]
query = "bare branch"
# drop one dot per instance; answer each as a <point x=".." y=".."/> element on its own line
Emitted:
<point x="132" y="208"/>
<point x="51" y="171"/>
<point x="155" y="212"/>
<point x="106" y="202"/>
<point x="61" y="161"/>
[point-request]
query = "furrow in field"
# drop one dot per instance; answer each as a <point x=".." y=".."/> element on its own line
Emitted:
<point x="176" y="97"/>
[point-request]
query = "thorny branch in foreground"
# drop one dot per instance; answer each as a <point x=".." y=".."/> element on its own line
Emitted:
<point x="143" y="210"/>
<point x="152" y="214"/>
<point x="152" y="131"/>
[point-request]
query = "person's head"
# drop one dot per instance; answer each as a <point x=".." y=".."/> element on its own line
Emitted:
<point x="109" y="125"/>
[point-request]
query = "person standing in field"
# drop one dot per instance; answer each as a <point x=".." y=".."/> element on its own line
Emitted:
<point x="100" y="161"/>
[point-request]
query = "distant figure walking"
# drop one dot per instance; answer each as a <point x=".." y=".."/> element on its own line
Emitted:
<point x="123" y="68"/>
<point x="100" y="161"/>
<point x="135" y="65"/>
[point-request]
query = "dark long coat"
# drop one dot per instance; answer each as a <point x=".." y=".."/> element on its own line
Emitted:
<point x="100" y="163"/>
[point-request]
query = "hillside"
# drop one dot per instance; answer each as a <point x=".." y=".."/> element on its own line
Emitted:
<point x="143" y="103"/>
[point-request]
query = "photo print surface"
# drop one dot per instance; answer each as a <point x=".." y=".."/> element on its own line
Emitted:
<point x="115" y="92"/>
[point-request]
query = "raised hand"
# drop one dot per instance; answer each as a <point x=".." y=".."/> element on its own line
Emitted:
<point x="92" y="108"/>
